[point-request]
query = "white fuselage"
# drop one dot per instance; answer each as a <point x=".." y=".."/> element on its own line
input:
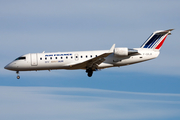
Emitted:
<point x="91" y="60"/>
<point x="66" y="60"/>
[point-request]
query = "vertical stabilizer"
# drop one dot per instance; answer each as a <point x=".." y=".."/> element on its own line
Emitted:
<point x="156" y="39"/>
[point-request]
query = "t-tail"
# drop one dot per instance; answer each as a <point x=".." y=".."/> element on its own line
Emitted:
<point x="156" y="39"/>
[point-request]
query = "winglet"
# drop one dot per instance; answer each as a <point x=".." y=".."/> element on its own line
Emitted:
<point x="112" y="49"/>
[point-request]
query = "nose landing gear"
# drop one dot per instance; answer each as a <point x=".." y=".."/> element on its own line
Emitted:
<point x="18" y="77"/>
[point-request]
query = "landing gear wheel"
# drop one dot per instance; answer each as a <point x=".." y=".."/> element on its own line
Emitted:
<point x="17" y="72"/>
<point x="18" y="77"/>
<point x="90" y="73"/>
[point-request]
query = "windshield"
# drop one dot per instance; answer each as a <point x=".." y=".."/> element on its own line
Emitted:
<point x="20" y="58"/>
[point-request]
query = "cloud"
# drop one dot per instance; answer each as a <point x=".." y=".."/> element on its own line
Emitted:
<point x="36" y="26"/>
<point x="82" y="103"/>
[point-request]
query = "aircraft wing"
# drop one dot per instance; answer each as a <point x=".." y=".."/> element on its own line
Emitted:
<point x="94" y="62"/>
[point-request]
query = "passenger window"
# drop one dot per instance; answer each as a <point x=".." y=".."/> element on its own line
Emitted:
<point x="45" y="58"/>
<point x="66" y="57"/>
<point x="71" y="57"/>
<point x="50" y="57"/>
<point x="96" y="55"/>
<point x="91" y="56"/>
<point x="81" y="56"/>
<point x="61" y="57"/>
<point x="86" y="56"/>
<point x="56" y="57"/>
<point x="40" y="58"/>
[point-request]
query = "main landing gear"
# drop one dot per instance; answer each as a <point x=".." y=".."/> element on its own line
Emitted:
<point x="89" y="71"/>
<point x="17" y="72"/>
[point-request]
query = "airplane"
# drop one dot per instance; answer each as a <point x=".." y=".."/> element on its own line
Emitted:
<point x="91" y="61"/>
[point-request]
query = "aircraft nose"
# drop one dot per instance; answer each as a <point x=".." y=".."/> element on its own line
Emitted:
<point x="11" y="66"/>
<point x="7" y="67"/>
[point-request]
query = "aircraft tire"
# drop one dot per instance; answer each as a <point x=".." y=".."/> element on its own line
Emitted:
<point x="90" y="73"/>
<point x="18" y="77"/>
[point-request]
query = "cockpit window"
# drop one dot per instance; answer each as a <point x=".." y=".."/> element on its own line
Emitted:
<point x="20" y="58"/>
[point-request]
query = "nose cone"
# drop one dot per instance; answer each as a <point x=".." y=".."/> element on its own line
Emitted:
<point x="7" y="67"/>
<point x="10" y="66"/>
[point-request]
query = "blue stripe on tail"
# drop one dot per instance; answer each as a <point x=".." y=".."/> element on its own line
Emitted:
<point x="153" y="40"/>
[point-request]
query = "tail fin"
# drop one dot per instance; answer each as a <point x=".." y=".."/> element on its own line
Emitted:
<point x="156" y="39"/>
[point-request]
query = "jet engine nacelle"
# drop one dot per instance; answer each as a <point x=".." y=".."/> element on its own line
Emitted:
<point x="121" y="51"/>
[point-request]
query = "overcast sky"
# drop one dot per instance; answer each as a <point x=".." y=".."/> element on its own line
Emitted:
<point x="148" y="90"/>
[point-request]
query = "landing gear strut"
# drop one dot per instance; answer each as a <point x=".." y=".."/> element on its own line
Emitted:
<point x="89" y="71"/>
<point x="17" y="72"/>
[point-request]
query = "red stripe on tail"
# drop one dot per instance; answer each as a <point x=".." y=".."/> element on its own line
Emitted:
<point x="161" y="43"/>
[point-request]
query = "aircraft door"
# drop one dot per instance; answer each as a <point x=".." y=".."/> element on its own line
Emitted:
<point x="34" y="61"/>
<point x="76" y="56"/>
